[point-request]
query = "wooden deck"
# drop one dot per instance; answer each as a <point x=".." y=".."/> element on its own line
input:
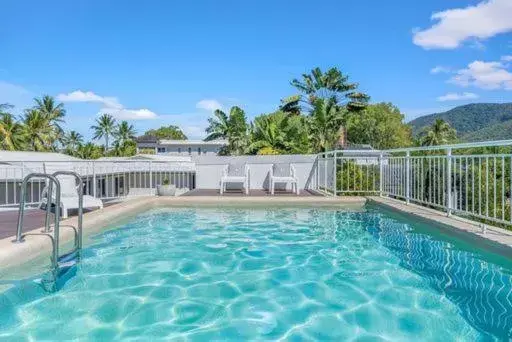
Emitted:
<point x="252" y="193"/>
<point x="33" y="219"/>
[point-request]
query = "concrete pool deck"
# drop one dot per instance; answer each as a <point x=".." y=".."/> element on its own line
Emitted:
<point x="37" y="245"/>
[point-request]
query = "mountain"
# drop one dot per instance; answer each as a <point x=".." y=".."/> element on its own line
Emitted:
<point x="473" y="122"/>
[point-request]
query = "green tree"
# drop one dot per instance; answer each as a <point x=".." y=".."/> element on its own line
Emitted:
<point x="72" y="141"/>
<point x="105" y="128"/>
<point x="89" y="151"/>
<point x="54" y="114"/>
<point x="440" y="133"/>
<point x="291" y="105"/>
<point x="381" y="125"/>
<point x="279" y="133"/>
<point x="12" y="133"/>
<point x="325" y="120"/>
<point x="39" y="135"/>
<point x="124" y="133"/>
<point x="234" y="128"/>
<point x="170" y="132"/>
<point x="332" y="84"/>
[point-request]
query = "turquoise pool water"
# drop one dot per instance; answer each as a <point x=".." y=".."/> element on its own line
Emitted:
<point x="266" y="274"/>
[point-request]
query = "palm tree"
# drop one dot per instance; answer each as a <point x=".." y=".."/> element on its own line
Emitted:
<point x="53" y="112"/>
<point x="234" y="128"/>
<point x="72" y="141"/>
<point x="89" y="151"/>
<point x="124" y="133"/>
<point x="325" y="121"/>
<point x="39" y="135"/>
<point x="218" y="127"/>
<point x="332" y="84"/>
<point x="278" y="133"/>
<point x="440" y="133"/>
<point x="11" y="133"/>
<point x="105" y="128"/>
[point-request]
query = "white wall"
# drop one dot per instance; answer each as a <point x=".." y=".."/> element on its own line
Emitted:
<point x="209" y="169"/>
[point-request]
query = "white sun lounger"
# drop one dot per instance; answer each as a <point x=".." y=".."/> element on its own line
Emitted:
<point x="235" y="173"/>
<point x="283" y="173"/>
<point x="69" y="196"/>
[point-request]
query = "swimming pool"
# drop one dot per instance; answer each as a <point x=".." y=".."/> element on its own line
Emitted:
<point x="282" y="273"/>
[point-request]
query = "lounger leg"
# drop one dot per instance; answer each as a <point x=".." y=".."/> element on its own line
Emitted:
<point x="221" y="187"/>
<point x="64" y="212"/>
<point x="271" y="187"/>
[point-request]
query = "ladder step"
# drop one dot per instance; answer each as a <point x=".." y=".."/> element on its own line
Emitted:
<point x="68" y="256"/>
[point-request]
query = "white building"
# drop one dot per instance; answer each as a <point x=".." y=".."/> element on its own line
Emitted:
<point x="149" y="144"/>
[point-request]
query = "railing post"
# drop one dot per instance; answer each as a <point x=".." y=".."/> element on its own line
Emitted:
<point x="93" y="179"/>
<point x="150" y="178"/>
<point x="449" y="181"/>
<point x="335" y="157"/>
<point x="408" y="177"/>
<point x="381" y="180"/>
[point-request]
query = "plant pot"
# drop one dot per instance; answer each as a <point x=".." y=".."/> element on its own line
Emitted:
<point x="166" y="190"/>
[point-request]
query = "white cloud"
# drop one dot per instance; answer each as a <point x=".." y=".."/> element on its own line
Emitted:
<point x="485" y="75"/>
<point x="209" y="104"/>
<point x="454" y="26"/>
<point x="89" y="96"/>
<point x="506" y="58"/>
<point x="111" y="105"/>
<point x="457" y="97"/>
<point x="129" y="114"/>
<point x="440" y="70"/>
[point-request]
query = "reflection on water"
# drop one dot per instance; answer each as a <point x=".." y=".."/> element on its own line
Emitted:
<point x="482" y="290"/>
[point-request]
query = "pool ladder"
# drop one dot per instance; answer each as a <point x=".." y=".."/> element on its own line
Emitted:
<point x="59" y="264"/>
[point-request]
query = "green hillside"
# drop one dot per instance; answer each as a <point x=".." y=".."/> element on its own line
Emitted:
<point x="473" y="122"/>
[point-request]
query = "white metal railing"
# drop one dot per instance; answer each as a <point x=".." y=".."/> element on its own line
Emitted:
<point x="102" y="179"/>
<point x="473" y="180"/>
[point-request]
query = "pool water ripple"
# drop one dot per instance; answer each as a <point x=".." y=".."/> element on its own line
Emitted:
<point x="268" y="274"/>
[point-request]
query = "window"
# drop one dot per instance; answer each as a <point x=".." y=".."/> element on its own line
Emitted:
<point x="199" y="150"/>
<point x="160" y="150"/>
<point x="179" y="149"/>
<point x="190" y="150"/>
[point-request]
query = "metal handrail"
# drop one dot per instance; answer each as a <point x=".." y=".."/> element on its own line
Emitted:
<point x="78" y="178"/>
<point x="55" y="238"/>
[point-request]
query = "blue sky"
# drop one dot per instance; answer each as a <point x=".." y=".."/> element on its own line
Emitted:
<point x="172" y="62"/>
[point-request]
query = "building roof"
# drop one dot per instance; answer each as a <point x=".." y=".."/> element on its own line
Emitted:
<point x="194" y="142"/>
<point x="24" y="156"/>
<point x="148" y="157"/>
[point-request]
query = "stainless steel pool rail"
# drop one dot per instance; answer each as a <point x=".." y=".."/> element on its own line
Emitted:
<point x="55" y="238"/>
<point x="57" y="261"/>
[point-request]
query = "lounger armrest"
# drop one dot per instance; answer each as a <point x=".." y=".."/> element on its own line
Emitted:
<point x="44" y="192"/>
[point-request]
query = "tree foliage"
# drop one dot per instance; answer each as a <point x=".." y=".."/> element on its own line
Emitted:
<point x="104" y="128"/>
<point x="440" y="133"/>
<point x="170" y="132"/>
<point x="331" y="85"/>
<point x="279" y="133"/>
<point x="380" y="125"/>
<point x="233" y="127"/>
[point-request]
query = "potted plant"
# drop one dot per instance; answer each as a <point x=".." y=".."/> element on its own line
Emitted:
<point x="166" y="188"/>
